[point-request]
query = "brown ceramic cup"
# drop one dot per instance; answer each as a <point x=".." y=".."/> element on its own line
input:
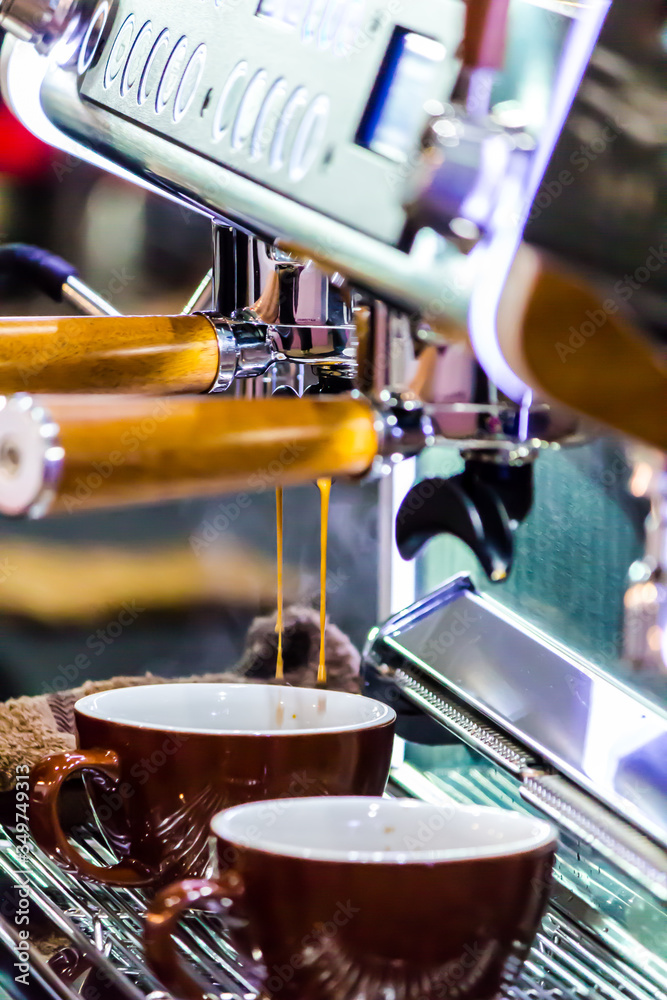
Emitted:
<point x="364" y="899"/>
<point x="159" y="761"/>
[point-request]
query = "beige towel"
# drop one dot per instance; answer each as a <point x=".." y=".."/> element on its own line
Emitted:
<point x="30" y="728"/>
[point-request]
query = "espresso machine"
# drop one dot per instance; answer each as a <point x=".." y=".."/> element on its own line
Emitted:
<point x="427" y="234"/>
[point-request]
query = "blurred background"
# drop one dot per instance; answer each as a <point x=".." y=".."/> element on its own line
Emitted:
<point x="169" y="589"/>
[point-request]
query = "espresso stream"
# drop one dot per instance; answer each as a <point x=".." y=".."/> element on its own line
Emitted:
<point x="279" y="558"/>
<point x="324" y="486"/>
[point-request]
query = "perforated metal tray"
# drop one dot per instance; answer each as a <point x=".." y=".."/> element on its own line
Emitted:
<point x="566" y="963"/>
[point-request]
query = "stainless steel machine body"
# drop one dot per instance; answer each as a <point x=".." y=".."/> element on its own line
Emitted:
<point x="369" y="186"/>
<point x="294" y="130"/>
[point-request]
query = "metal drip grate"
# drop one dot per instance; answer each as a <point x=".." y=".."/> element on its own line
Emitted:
<point x="565" y="962"/>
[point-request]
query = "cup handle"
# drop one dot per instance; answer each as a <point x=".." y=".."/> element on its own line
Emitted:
<point x="162" y="919"/>
<point x="46" y="780"/>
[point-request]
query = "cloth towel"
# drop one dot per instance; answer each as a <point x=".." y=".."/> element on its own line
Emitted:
<point x="32" y="727"/>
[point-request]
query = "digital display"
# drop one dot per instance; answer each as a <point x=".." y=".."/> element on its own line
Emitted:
<point x="395" y="112"/>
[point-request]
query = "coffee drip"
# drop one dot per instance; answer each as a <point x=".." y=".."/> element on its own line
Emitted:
<point x="324" y="486"/>
<point x="279" y="560"/>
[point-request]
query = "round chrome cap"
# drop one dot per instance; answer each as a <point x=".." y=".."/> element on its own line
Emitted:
<point x="30" y="457"/>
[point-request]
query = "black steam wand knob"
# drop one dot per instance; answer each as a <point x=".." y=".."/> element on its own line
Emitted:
<point x="481" y="505"/>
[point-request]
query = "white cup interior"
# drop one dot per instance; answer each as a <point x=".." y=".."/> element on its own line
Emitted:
<point x="253" y="709"/>
<point x="365" y="829"/>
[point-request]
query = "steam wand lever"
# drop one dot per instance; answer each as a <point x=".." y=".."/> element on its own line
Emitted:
<point x="481" y="505"/>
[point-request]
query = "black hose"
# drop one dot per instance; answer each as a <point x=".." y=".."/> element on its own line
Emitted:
<point x="35" y="267"/>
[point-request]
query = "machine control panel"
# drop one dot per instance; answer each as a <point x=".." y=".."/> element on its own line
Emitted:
<point x="303" y="122"/>
<point x="321" y="100"/>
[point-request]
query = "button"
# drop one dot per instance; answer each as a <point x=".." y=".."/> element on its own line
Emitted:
<point x="286" y="126"/>
<point x="171" y="75"/>
<point x="191" y="80"/>
<point x="92" y="37"/>
<point x="119" y="51"/>
<point x="268" y="119"/>
<point x="249" y="109"/>
<point x="154" y="67"/>
<point x="229" y="98"/>
<point x="137" y="58"/>
<point x="309" y="138"/>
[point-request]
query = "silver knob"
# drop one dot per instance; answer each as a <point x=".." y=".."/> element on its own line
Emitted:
<point x="44" y="23"/>
<point x="30" y="457"/>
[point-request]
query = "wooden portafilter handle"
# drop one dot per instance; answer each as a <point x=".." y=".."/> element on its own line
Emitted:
<point x="581" y="349"/>
<point x="73" y="453"/>
<point x="110" y="354"/>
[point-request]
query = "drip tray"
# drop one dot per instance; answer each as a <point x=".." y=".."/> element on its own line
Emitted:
<point x="106" y="924"/>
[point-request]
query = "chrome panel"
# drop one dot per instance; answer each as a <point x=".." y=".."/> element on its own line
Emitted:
<point x="594" y="730"/>
<point x="577" y="814"/>
<point x="434" y="277"/>
<point x="299" y="176"/>
<point x="639" y="857"/>
<point x="343" y="179"/>
<point x="604" y="898"/>
<point x="465" y="724"/>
